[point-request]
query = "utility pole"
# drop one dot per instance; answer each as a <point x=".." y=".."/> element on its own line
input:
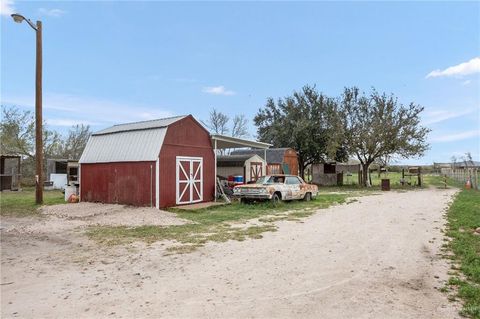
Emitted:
<point x="38" y="107"/>
<point x="38" y="118"/>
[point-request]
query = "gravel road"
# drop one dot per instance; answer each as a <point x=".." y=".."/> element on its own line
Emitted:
<point x="377" y="257"/>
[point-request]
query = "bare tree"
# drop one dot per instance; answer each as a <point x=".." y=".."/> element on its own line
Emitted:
<point x="453" y="159"/>
<point x="218" y="122"/>
<point x="239" y="128"/>
<point x="75" y="142"/>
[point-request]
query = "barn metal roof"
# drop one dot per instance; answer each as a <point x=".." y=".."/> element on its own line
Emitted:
<point x="130" y="142"/>
<point x="124" y="146"/>
<point x="143" y="125"/>
<point x="224" y="142"/>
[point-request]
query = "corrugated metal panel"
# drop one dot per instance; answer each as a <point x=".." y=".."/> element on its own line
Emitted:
<point x="274" y="155"/>
<point x="130" y="146"/>
<point x="140" y="125"/>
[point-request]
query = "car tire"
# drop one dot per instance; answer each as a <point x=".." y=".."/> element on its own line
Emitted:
<point x="308" y="197"/>
<point x="275" y="199"/>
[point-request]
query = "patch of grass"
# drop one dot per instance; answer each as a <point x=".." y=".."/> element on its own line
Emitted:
<point x="181" y="249"/>
<point x="216" y="223"/>
<point x="22" y="203"/>
<point x="463" y="219"/>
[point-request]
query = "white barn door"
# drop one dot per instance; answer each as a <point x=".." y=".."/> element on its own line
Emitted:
<point x="189" y="187"/>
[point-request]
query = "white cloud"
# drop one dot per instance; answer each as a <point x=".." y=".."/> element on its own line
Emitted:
<point x="86" y="110"/>
<point x="217" y="90"/>
<point x="51" y="12"/>
<point x="6" y="7"/>
<point x="467" y="82"/>
<point x="456" y="137"/>
<point x="432" y="117"/>
<point x="462" y="69"/>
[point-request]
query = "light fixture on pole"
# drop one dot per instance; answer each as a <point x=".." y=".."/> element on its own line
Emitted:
<point x="38" y="106"/>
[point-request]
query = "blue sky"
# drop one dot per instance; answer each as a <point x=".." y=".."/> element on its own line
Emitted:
<point x="111" y="62"/>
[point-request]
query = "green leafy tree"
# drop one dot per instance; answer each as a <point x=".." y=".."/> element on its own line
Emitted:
<point x="17" y="134"/>
<point x="17" y="137"/>
<point x="306" y="121"/>
<point x="377" y="126"/>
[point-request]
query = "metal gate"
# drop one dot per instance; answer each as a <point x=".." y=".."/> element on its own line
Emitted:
<point x="189" y="187"/>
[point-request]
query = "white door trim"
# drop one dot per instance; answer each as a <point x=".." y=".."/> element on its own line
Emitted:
<point x="192" y="178"/>
<point x="157" y="183"/>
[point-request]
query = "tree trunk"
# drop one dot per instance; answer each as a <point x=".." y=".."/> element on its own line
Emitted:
<point x="365" y="174"/>
<point x="301" y="168"/>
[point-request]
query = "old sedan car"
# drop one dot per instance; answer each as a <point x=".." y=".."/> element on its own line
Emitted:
<point x="276" y="188"/>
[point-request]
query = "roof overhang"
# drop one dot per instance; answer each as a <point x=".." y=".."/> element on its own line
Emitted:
<point x="224" y="142"/>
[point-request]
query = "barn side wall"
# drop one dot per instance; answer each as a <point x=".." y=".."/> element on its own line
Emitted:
<point x="185" y="138"/>
<point x="129" y="183"/>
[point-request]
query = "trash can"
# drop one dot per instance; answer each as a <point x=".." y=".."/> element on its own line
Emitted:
<point x="70" y="190"/>
<point x="385" y="184"/>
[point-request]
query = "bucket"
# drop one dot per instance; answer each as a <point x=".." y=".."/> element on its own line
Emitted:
<point x="70" y="190"/>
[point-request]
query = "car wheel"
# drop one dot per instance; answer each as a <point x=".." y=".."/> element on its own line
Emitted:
<point x="308" y="197"/>
<point x="275" y="199"/>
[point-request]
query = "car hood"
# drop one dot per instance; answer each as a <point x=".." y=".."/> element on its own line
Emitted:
<point x="253" y="186"/>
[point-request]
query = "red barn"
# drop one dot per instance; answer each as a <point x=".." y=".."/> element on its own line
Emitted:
<point x="159" y="163"/>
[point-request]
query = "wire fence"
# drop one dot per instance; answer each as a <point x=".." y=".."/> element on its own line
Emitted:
<point x="463" y="175"/>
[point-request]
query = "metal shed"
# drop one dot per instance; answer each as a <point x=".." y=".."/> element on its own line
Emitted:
<point x="159" y="163"/>
<point x="279" y="160"/>
<point x="251" y="167"/>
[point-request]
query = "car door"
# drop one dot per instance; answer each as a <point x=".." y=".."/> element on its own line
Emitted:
<point x="293" y="185"/>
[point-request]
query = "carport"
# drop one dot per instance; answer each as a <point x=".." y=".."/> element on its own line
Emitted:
<point x="222" y="142"/>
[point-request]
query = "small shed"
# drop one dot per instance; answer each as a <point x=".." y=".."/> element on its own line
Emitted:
<point x="161" y="163"/>
<point x="332" y="173"/>
<point x="62" y="172"/>
<point x="251" y="167"/>
<point x="10" y="168"/>
<point x="279" y="160"/>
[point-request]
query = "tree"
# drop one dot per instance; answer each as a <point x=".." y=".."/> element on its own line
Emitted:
<point x="75" y="142"/>
<point x="307" y="121"/>
<point x="377" y="126"/>
<point x="217" y="122"/>
<point x="17" y="134"/>
<point x="17" y="137"/>
<point x="239" y="127"/>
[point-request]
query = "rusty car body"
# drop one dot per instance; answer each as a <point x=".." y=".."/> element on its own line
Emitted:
<point x="276" y="188"/>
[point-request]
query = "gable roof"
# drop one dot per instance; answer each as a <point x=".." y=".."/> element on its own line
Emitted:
<point x="130" y="142"/>
<point x="274" y="155"/>
<point x="143" y="125"/>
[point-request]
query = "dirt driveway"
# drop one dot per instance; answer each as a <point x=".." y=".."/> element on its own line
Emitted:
<point x="374" y="258"/>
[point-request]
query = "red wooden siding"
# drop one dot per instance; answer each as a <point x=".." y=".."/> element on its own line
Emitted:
<point x="291" y="159"/>
<point x="129" y="183"/>
<point x="185" y="138"/>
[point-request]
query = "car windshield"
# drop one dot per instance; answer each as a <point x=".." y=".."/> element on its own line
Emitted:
<point x="270" y="180"/>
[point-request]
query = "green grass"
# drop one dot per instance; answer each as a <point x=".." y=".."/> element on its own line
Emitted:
<point x="22" y="203"/>
<point x="217" y="223"/>
<point x="463" y="219"/>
